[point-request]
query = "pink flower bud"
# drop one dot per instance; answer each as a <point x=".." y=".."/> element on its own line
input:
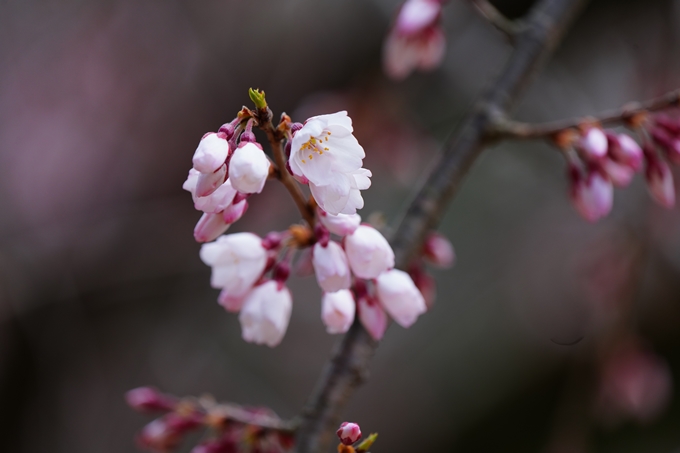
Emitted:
<point x="148" y="399"/>
<point x="341" y="224"/>
<point x="627" y="151"/>
<point x="209" y="227"/>
<point x="438" y="250"/>
<point x="620" y="175"/>
<point x="669" y="143"/>
<point x="400" y="297"/>
<point x="265" y="314"/>
<point x="660" y="181"/>
<point x="403" y="54"/>
<point x="231" y="302"/>
<point x="235" y="211"/>
<point x="211" y="153"/>
<point x="163" y="434"/>
<point x="330" y="266"/>
<point x="425" y="284"/>
<point x="592" y="197"/>
<point x="368" y="252"/>
<point x="594" y="143"/>
<point x="417" y="15"/>
<point x="349" y="433"/>
<point x="337" y="311"/>
<point x="207" y="183"/>
<point x="372" y="317"/>
<point x="249" y="168"/>
<point x="237" y="260"/>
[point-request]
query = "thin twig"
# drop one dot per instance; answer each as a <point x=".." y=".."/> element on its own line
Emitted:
<point x="222" y="414"/>
<point x="510" y="28"/>
<point x="513" y="129"/>
<point x="264" y="118"/>
<point x="348" y="366"/>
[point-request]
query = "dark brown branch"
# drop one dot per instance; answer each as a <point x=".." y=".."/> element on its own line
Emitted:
<point x="510" y="28"/>
<point x="348" y="366"/>
<point x="513" y="129"/>
<point x="275" y="137"/>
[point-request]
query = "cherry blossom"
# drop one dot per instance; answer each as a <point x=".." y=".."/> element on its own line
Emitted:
<point x="337" y="311"/>
<point x="368" y="252"/>
<point x="372" y="316"/>
<point x="593" y="196"/>
<point x="349" y="433"/>
<point x="249" y="168"/>
<point x="211" y="153"/>
<point x="331" y="267"/>
<point x="265" y="314"/>
<point x="400" y="297"/>
<point x="340" y="224"/>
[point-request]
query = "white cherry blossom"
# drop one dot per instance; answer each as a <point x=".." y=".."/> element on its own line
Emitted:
<point x="211" y="153"/>
<point x="593" y="197"/>
<point x="249" y="168"/>
<point x="237" y="260"/>
<point x="340" y="224"/>
<point x="400" y="297"/>
<point x="342" y="195"/>
<point x="331" y="267"/>
<point x="265" y="313"/>
<point x="368" y="252"/>
<point x="337" y="311"/>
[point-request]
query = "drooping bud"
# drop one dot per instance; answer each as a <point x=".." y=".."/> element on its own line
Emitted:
<point x="416" y="16"/>
<point x="207" y="183"/>
<point x="235" y="211"/>
<point x="625" y="150"/>
<point x="209" y="227"/>
<point x="593" y="143"/>
<point x="265" y="314"/>
<point x="593" y="196"/>
<point x="620" y="175"/>
<point x="331" y="267"/>
<point x="668" y="143"/>
<point x="438" y="250"/>
<point x="149" y="399"/>
<point x="372" y="316"/>
<point x="163" y="434"/>
<point x="368" y="252"/>
<point x="400" y="297"/>
<point x="349" y="433"/>
<point x="249" y="168"/>
<point x="337" y="311"/>
<point x="340" y="224"/>
<point x="211" y="153"/>
<point x="660" y="181"/>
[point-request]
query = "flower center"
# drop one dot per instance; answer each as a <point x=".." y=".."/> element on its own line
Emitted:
<point x="314" y="145"/>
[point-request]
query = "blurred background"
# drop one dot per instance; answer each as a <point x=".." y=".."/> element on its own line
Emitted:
<point x="549" y="334"/>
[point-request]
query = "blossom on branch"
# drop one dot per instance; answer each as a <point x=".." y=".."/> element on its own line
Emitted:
<point x="368" y="252"/>
<point x="265" y="314"/>
<point x="400" y="297"/>
<point x="249" y="168"/>
<point x="337" y="311"/>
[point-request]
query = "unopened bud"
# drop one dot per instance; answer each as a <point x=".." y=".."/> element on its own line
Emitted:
<point x="438" y="250"/>
<point x="149" y="399"/>
<point x="228" y="130"/>
<point x="593" y="143"/>
<point x="349" y="433"/>
<point x="209" y="227"/>
<point x="660" y="181"/>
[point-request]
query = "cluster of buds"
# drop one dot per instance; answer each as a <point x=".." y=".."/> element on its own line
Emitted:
<point x="600" y="160"/>
<point x="353" y="262"/>
<point x="233" y="428"/>
<point x="416" y="40"/>
<point x="349" y="434"/>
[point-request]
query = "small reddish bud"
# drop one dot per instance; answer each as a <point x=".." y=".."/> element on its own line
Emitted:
<point x="228" y="130"/>
<point x="349" y="433"/>
<point x="248" y="137"/>
<point x="438" y="250"/>
<point x="149" y="399"/>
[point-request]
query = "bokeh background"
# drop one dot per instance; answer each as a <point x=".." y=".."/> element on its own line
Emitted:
<point x="102" y="103"/>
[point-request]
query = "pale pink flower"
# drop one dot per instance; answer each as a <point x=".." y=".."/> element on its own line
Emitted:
<point x="331" y="267"/>
<point x="594" y="143"/>
<point x="660" y="182"/>
<point x="342" y="196"/>
<point x="627" y="151"/>
<point x="207" y="183"/>
<point x="265" y="313"/>
<point x="235" y="211"/>
<point x="404" y="54"/>
<point x="372" y="316"/>
<point x="237" y="260"/>
<point x="438" y="250"/>
<point x="217" y="201"/>
<point x="337" y="311"/>
<point x="326" y="154"/>
<point x="349" y="433"/>
<point x="231" y="303"/>
<point x="211" y="153"/>
<point x="417" y="15"/>
<point x="368" y="252"/>
<point x="209" y="227"/>
<point x="620" y="175"/>
<point x="249" y="168"/>
<point x="592" y="197"/>
<point x="340" y="224"/>
<point x="400" y="297"/>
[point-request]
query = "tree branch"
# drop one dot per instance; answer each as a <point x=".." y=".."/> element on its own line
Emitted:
<point x="544" y="26"/>
<point x="510" y="28"/>
<point x="514" y="129"/>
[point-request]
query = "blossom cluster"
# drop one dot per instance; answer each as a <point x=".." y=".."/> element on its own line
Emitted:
<point x="600" y="160"/>
<point x="352" y="261"/>
<point x="416" y="40"/>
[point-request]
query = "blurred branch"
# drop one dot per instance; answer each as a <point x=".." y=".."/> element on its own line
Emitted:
<point x="275" y="137"/>
<point x="513" y="129"/>
<point x="542" y="31"/>
<point x="510" y="28"/>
